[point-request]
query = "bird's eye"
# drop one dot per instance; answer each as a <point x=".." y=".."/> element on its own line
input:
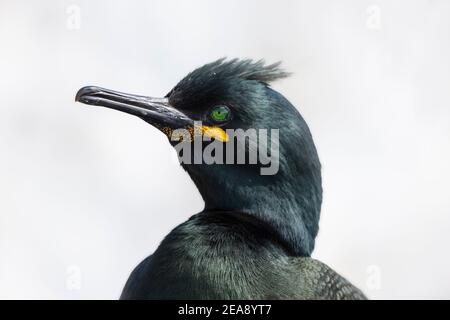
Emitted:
<point x="220" y="114"/>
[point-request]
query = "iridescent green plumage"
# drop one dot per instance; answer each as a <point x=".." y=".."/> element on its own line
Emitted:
<point x="255" y="236"/>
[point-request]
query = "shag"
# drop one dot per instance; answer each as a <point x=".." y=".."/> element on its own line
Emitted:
<point x="255" y="236"/>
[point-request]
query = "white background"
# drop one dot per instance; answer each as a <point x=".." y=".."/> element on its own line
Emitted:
<point x="86" y="193"/>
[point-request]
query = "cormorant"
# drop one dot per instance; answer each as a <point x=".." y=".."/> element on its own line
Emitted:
<point x="254" y="238"/>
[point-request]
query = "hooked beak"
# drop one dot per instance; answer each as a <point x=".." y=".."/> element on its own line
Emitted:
<point x="156" y="111"/>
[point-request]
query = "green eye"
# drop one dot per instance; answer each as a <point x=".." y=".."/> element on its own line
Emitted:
<point x="220" y="113"/>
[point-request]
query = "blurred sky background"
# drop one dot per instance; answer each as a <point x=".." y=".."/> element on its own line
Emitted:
<point x="87" y="193"/>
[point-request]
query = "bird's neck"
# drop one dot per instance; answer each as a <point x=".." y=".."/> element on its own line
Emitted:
<point x="290" y="207"/>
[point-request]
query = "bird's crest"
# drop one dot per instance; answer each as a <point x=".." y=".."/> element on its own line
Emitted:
<point x="212" y="75"/>
<point x="245" y="69"/>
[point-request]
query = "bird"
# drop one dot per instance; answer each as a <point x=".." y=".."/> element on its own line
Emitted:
<point x="255" y="236"/>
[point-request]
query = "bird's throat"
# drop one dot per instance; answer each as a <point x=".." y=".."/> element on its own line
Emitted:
<point x="290" y="208"/>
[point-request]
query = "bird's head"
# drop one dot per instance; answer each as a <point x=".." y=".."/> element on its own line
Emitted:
<point x="244" y="145"/>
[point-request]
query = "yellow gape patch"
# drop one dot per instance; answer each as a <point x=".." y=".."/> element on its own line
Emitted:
<point x="215" y="132"/>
